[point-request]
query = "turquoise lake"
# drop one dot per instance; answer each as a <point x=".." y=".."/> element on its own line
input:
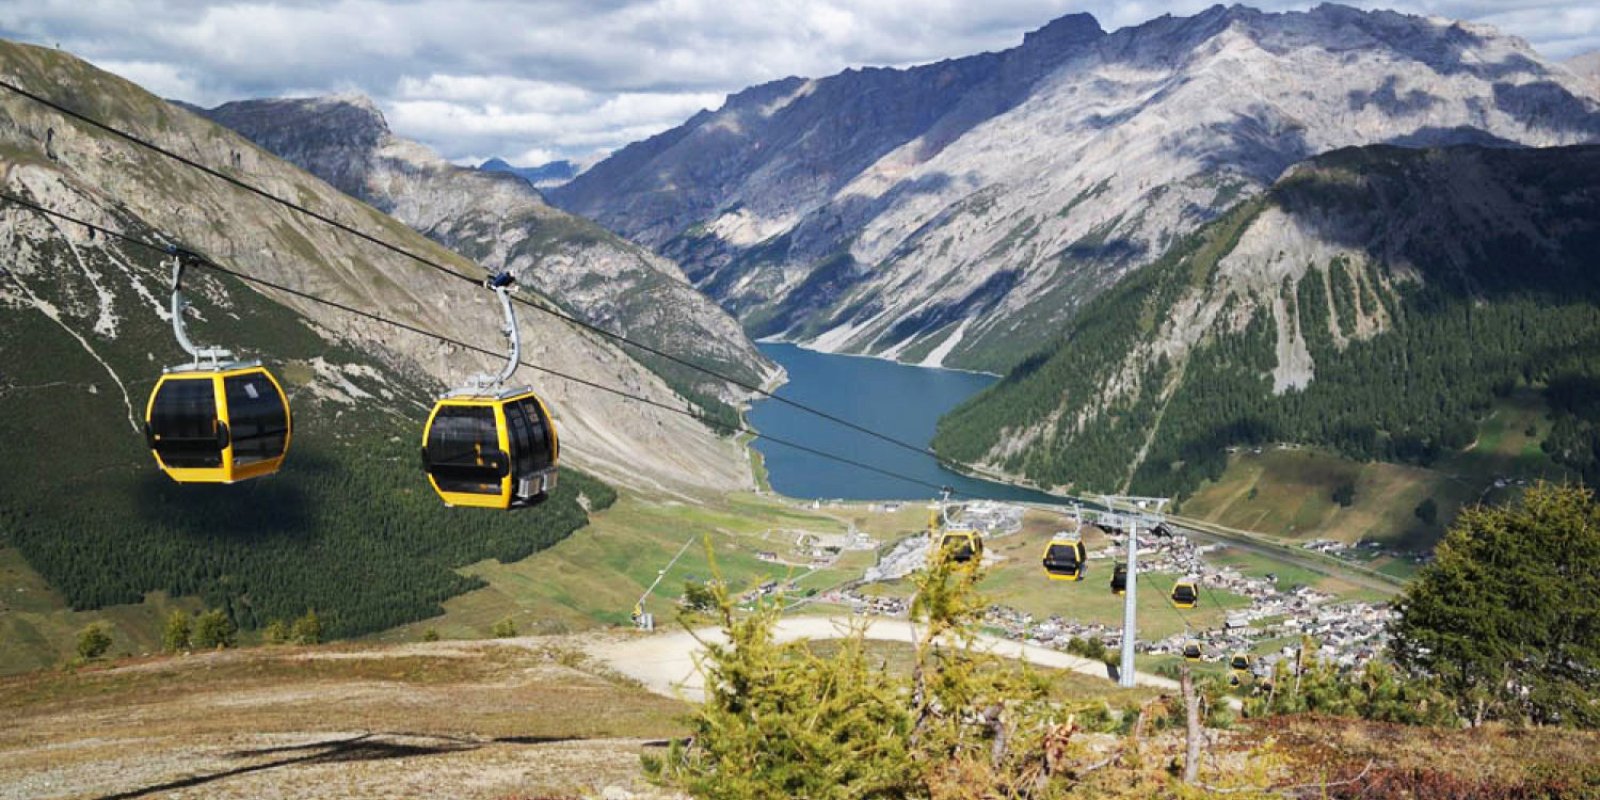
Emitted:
<point x="896" y="400"/>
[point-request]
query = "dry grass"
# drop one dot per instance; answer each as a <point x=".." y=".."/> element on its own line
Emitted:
<point x="453" y="719"/>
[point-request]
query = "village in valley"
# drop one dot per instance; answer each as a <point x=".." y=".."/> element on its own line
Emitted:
<point x="1267" y="617"/>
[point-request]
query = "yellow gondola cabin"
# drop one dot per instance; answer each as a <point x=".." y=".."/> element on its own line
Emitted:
<point x="1119" y="579"/>
<point x="491" y="451"/>
<point x="214" y="420"/>
<point x="218" y="425"/>
<point x="1185" y="594"/>
<point x="489" y="446"/>
<point x="1065" y="558"/>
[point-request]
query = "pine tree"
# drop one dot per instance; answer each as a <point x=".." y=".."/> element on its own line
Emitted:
<point x="175" y="636"/>
<point x="94" y="640"/>
<point x="1505" y="618"/>
<point x="213" y="630"/>
<point x="308" y="629"/>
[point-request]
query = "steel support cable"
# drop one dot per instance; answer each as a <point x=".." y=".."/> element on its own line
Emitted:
<point x="466" y="346"/>
<point x="430" y="263"/>
<point x="1167" y="595"/>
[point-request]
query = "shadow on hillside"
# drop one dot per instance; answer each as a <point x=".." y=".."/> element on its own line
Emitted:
<point x="274" y="505"/>
<point x="366" y="747"/>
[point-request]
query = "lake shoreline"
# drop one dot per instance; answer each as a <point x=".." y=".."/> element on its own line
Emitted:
<point x="805" y="346"/>
<point x="899" y="401"/>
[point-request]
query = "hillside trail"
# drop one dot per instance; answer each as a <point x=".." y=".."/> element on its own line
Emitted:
<point x="665" y="662"/>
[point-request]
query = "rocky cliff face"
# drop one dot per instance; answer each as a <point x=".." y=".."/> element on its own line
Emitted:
<point x="90" y="293"/>
<point x="959" y="213"/>
<point x="1375" y="301"/>
<point x="500" y="221"/>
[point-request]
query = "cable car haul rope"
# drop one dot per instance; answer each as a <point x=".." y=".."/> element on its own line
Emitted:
<point x="207" y="264"/>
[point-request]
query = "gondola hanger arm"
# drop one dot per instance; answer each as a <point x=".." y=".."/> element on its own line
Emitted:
<point x="180" y="304"/>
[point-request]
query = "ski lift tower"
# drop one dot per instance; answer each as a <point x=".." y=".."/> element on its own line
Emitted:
<point x="644" y="620"/>
<point x="1135" y="511"/>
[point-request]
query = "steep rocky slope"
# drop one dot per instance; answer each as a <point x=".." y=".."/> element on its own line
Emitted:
<point x="1376" y="300"/>
<point x="1587" y="66"/>
<point x="349" y="527"/>
<point x="89" y="287"/>
<point x="960" y="212"/>
<point x="500" y="221"/>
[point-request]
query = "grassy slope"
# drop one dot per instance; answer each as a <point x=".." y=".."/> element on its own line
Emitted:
<point x="595" y="577"/>
<point x="527" y="719"/>
<point x="1294" y="488"/>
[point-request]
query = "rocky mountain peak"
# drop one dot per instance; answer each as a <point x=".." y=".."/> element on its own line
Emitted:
<point x="959" y="212"/>
<point x="500" y="220"/>
<point x="1069" y="31"/>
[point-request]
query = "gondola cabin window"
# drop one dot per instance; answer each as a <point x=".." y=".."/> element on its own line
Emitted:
<point x="464" y="450"/>
<point x="257" y="419"/>
<point x="184" y="429"/>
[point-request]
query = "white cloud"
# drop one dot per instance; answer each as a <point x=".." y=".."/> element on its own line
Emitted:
<point x="529" y="80"/>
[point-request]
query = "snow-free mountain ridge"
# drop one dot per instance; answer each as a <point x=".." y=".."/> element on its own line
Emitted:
<point x="502" y="222"/>
<point x="960" y="212"/>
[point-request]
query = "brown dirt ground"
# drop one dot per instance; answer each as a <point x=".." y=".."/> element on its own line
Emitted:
<point x="512" y="719"/>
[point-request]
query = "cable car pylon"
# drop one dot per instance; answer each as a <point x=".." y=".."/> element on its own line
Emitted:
<point x="1140" y="509"/>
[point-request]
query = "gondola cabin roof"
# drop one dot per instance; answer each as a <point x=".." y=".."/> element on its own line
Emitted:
<point x="220" y="423"/>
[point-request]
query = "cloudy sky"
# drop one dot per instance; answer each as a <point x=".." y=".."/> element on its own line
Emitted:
<point x="542" y="79"/>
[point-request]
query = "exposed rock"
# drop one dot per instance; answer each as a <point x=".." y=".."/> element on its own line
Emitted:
<point x="883" y="210"/>
<point x="499" y="220"/>
<point x="109" y="181"/>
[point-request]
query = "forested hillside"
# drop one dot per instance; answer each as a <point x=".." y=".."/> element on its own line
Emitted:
<point x="349" y="528"/>
<point x="1376" y="300"/>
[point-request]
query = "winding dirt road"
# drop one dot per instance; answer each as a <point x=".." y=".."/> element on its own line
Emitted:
<point x="665" y="662"/>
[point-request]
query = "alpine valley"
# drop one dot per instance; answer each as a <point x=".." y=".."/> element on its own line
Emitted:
<point x="1327" y="280"/>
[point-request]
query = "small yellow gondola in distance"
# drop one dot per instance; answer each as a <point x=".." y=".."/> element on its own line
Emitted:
<point x="1119" y="579"/>
<point x="964" y="548"/>
<point x="218" y="425"/>
<point x="1191" y="650"/>
<point x="1185" y="594"/>
<point x="214" y="420"/>
<point x="483" y="450"/>
<point x="1065" y="558"/>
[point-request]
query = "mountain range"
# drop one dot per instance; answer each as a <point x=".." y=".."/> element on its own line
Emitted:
<point x="961" y="213"/>
<point x="544" y="176"/>
<point x="501" y="222"/>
